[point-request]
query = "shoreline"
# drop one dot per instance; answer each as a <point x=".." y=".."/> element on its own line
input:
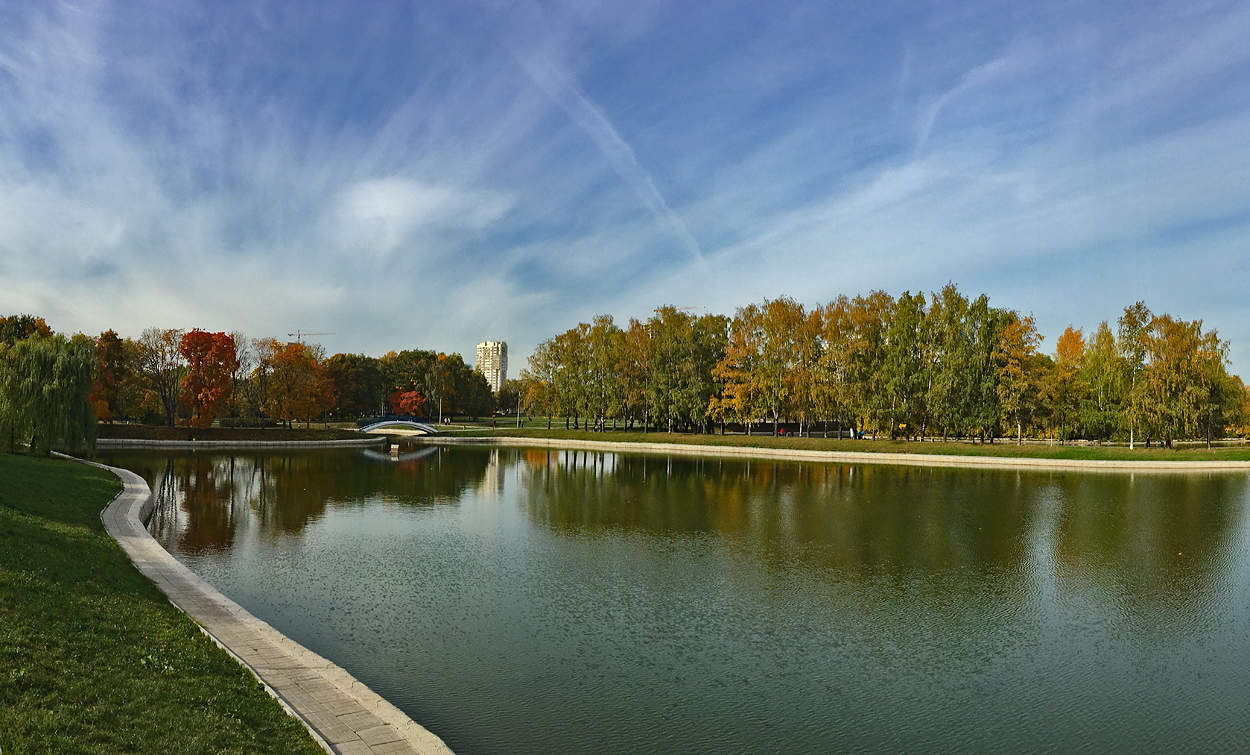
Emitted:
<point x="967" y="461"/>
<point x="339" y="711"/>
<point x="124" y="443"/>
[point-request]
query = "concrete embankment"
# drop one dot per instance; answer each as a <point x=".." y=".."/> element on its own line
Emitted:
<point x="852" y="457"/>
<point x="342" y="713"/>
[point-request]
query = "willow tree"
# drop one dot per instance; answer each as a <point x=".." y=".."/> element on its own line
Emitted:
<point x="45" y="392"/>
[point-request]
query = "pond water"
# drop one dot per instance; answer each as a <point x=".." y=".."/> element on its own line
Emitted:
<point x="517" y="600"/>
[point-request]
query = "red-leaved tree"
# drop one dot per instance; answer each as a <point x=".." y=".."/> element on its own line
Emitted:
<point x="407" y="402"/>
<point x="211" y="361"/>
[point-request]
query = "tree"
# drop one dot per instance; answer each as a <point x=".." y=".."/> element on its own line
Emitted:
<point x="539" y="380"/>
<point x="1019" y="382"/>
<point x="903" y="365"/>
<point x="245" y="358"/>
<point x="299" y="387"/>
<point x="407" y="402"/>
<point x="1064" y="385"/>
<point x="1133" y="327"/>
<point x="211" y="363"/>
<point x="605" y="346"/>
<point x="1102" y="377"/>
<point x="14" y="328"/>
<point x="1185" y="389"/>
<point x="634" y="370"/>
<point x="359" y="384"/>
<point x="160" y="365"/>
<point x="868" y="318"/>
<point x="111" y="368"/>
<point x="45" y="391"/>
<point x="950" y="350"/>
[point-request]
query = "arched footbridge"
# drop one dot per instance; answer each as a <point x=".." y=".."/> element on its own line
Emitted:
<point x="370" y="425"/>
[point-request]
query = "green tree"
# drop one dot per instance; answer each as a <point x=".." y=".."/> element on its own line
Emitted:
<point x="359" y="385"/>
<point x="903" y="368"/>
<point x="45" y="392"/>
<point x="1134" y="325"/>
<point x="1102" y="377"/>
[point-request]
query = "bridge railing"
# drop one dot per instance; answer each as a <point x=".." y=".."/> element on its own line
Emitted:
<point x="366" y="422"/>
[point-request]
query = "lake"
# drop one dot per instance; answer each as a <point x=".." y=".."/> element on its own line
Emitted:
<point x="537" y="600"/>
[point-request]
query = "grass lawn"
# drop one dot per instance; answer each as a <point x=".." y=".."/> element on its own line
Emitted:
<point x="1001" y="448"/>
<point x="92" y="655"/>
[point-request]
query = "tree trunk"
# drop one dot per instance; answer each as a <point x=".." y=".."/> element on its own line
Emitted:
<point x="1019" y="432"/>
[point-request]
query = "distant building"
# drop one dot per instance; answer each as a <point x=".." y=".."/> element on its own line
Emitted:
<point x="492" y="362"/>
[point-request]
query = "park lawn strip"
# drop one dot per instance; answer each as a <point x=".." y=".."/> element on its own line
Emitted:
<point x="93" y="657"/>
<point x="1002" y="448"/>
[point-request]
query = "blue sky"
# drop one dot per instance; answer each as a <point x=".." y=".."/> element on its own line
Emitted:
<point x="426" y="174"/>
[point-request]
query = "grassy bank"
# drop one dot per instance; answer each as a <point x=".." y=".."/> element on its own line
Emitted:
<point x="154" y="432"/>
<point x="92" y="655"/>
<point x="1005" y="448"/>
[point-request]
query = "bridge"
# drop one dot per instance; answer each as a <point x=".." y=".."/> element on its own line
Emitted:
<point x="369" y="425"/>
<point x="410" y="456"/>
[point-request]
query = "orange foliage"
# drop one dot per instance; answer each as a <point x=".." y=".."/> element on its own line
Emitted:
<point x="211" y="360"/>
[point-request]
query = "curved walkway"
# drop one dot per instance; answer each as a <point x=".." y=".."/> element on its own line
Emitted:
<point x="852" y="457"/>
<point x="342" y="713"/>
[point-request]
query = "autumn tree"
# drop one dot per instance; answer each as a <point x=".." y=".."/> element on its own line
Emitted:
<point x="411" y="403"/>
<point x="205" y="387"/>
<point x="868" y="316"/>
<point x="14" y="328"/>
<point x="111" y="368"/>
<point x="539" y="380"/>
<point x="634" y="371"/>
<point x="1064" y="384"/>
<point x="1019" y="380"/>
<point x="298" y="386"/>
<point x="160" y="365"/>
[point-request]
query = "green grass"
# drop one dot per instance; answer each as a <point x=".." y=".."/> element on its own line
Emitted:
<point x="1001" y="448"/>
<point x="93" y="657"/>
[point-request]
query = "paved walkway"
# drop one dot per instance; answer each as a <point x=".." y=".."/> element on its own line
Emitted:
<point x="848" y="457"/>
<point x="341" y="712"/>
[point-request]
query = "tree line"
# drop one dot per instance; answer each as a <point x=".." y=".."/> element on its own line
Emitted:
<point x="938" y="366"/>
<point x="54" y="388"/>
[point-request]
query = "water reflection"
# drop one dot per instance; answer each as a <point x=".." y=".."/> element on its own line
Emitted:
<point x="199" y="500"/>
<point x="534" y="600"/>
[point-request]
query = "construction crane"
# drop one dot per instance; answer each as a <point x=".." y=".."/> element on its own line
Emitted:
<point x="298" y="335"/>
<point x="657" y="310"/>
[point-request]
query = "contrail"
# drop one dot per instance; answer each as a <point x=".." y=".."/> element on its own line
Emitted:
<point x="557" y="85"/>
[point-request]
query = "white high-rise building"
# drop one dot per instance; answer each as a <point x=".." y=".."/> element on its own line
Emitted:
<point x="492" y="362"/>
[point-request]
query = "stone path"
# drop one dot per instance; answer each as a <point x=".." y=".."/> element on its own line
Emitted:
<point x="848" y="457"/>
<point x="342" y="713"/>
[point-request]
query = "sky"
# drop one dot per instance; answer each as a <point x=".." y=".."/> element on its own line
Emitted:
<point x="433" y="174"/>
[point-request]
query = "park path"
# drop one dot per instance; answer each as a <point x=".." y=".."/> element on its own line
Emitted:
<point x="343" y="714"/>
